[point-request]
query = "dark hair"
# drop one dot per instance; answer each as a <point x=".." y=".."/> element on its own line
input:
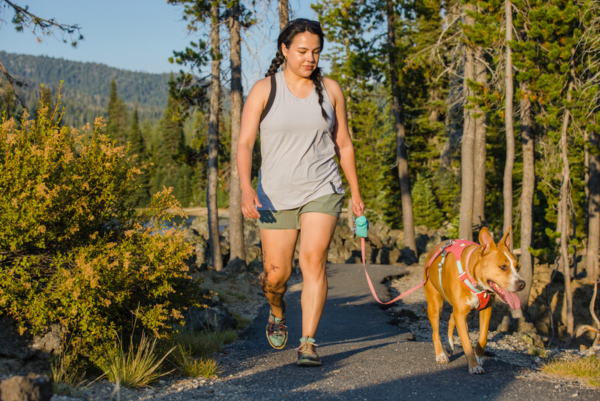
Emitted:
<point x="287" y="35"/>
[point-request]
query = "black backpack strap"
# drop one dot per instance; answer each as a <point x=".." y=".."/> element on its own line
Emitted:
<point x="271" y="98"/>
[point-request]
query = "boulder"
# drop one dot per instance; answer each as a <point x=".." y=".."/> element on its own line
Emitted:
<point x="214" y="316"/>
<point x="26" y="388"/>
<point x="251" y="233"/>
<point x="201" y="252"/>
<point x="344" y="232"/>
<point x="200" y="226"/>
<point x="380" y="228"/>
<point x="252" y="253"/>
<point x="375" y="240"/>
<point x="395" y="256"/>
<point x="383" y="256"/>
<point x="50" y="342"/>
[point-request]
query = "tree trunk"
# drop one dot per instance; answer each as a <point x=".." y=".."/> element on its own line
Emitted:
<point x="565" y="190"/>
<point x="401" y="155"/>
<point x="213" y="141"/>
<point x="284" y="13"/>
<point x="348" y="90"/>
<point x="594" y="209"/>
<point x="453" y="112"/>
<point x="236" y="219"/>
<point x="508" y="121"/>
<point x="586" y="169"/>
<point x="468" y="143"/>
<point x="528" y="188"/>
<point x="479" y="151"/>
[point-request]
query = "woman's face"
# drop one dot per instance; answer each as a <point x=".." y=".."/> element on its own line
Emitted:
<point x="303" y="54"/>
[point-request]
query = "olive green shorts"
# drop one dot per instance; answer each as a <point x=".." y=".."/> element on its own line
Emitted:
<point x="285" y="219"/>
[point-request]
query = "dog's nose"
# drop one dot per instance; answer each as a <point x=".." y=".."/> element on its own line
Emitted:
<point x="520" y="285"/>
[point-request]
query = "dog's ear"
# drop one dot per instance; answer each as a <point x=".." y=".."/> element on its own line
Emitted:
<point x="506" y="239"/>
<point x="486" y="240"/>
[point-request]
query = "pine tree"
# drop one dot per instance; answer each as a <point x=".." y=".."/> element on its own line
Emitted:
<point x="137" y="146"/>
<point x="168" y="153"/>
<point x="427" y="212"/>
<point x="116" y="120"/>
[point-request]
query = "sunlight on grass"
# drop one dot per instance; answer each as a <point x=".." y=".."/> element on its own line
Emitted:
<point x="66" y="375"/>
<point x="134" y="368"/>
<point x="193" y="367"/>
<point x="588" y="368"/>
<point x="203" y="344"/>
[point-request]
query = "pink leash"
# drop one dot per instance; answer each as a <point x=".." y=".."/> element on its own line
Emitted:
<point x="362" y="246"/>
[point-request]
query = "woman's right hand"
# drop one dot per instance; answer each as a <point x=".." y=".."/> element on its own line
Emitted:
<point x="249" y="203"/>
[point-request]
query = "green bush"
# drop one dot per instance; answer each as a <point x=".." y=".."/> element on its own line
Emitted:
<point x="73" y="248"/>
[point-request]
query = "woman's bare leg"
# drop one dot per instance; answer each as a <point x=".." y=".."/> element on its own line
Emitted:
<point x="315" y="236"/>
<point x="278" y="250"/>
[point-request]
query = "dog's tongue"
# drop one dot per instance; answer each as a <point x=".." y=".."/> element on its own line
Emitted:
<point x="513" y="300"/>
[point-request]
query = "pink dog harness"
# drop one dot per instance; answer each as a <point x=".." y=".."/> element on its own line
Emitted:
<point x="456" y="247"/>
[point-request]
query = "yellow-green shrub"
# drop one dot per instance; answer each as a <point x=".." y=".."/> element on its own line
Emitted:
<point x="73" y="249"/>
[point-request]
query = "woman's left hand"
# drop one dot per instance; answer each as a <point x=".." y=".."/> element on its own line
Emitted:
<point x="358" y="206"/>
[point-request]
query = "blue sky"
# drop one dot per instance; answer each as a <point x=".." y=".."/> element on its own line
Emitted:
<point x="138" y="35"/>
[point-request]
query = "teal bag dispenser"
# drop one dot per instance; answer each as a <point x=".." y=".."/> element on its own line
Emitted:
<point x="361" y="226"/>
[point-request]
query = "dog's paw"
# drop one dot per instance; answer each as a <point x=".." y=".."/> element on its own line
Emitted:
<point x="442" y="358"/>
<point x="480" y="359"/>
<point x="476" y="370"/>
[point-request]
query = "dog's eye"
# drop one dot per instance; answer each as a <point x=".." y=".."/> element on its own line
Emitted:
<point x="503" y="267"/>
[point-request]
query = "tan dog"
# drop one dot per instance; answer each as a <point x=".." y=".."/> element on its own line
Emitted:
<point x="494" y="270"/>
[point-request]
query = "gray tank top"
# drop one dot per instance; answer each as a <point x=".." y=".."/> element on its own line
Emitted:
<point x="298" y="153"/>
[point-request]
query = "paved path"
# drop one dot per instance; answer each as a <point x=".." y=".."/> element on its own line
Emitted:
<point x="364" y="357"/>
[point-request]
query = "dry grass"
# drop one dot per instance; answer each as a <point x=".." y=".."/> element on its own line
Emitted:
<point x="587" y="368"/>
<point x="194" y="367"/>
<point x="134" y="368"/>
<point x="66" y="375"/>
<point x="203" y="344"/>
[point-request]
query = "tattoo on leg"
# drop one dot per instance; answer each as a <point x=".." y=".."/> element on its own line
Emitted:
<point x="273" y="292"/>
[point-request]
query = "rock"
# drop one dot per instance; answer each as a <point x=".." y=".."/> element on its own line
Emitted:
<point x="380" y="229"/>
<point x="252" y="253"/>
<point x="236" y="266"/>
<point x="26" y="388"/>
<point x="50" y="342"/>
<point x="399" y="237"/>
<point x="12" y="345"/>
<point x="201" y="253"/>
<point x="394" y="256"/>
<point x="434" y="239"/>
<point x="212" y="318"/>
<point x="383" y="256"/>
<point x="375" y="240"/>
<point x="421" y="240"/>
<point x="225" y="245"/>
<point x="344" y="232"/>
<point x="251" y="233"/>
<point x="200" y="226"/>
<point x="389" y="241"/>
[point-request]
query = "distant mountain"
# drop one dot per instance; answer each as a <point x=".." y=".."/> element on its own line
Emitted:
<point x="86" y="86"/>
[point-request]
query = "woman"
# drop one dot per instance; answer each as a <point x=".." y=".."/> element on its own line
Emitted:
<point x="303" y="127"/>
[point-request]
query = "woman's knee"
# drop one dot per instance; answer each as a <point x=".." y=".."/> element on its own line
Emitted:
<point x="274" y="278"/>
<point x="313" y="265"/>
<point x="313" y="259"/>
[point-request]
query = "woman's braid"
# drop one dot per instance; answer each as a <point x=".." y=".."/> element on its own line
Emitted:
<point x="276" y="63"/>
<point x="317" y="81"/>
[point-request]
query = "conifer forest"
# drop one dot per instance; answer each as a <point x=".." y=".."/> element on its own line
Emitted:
<point x="464" y="114"/>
